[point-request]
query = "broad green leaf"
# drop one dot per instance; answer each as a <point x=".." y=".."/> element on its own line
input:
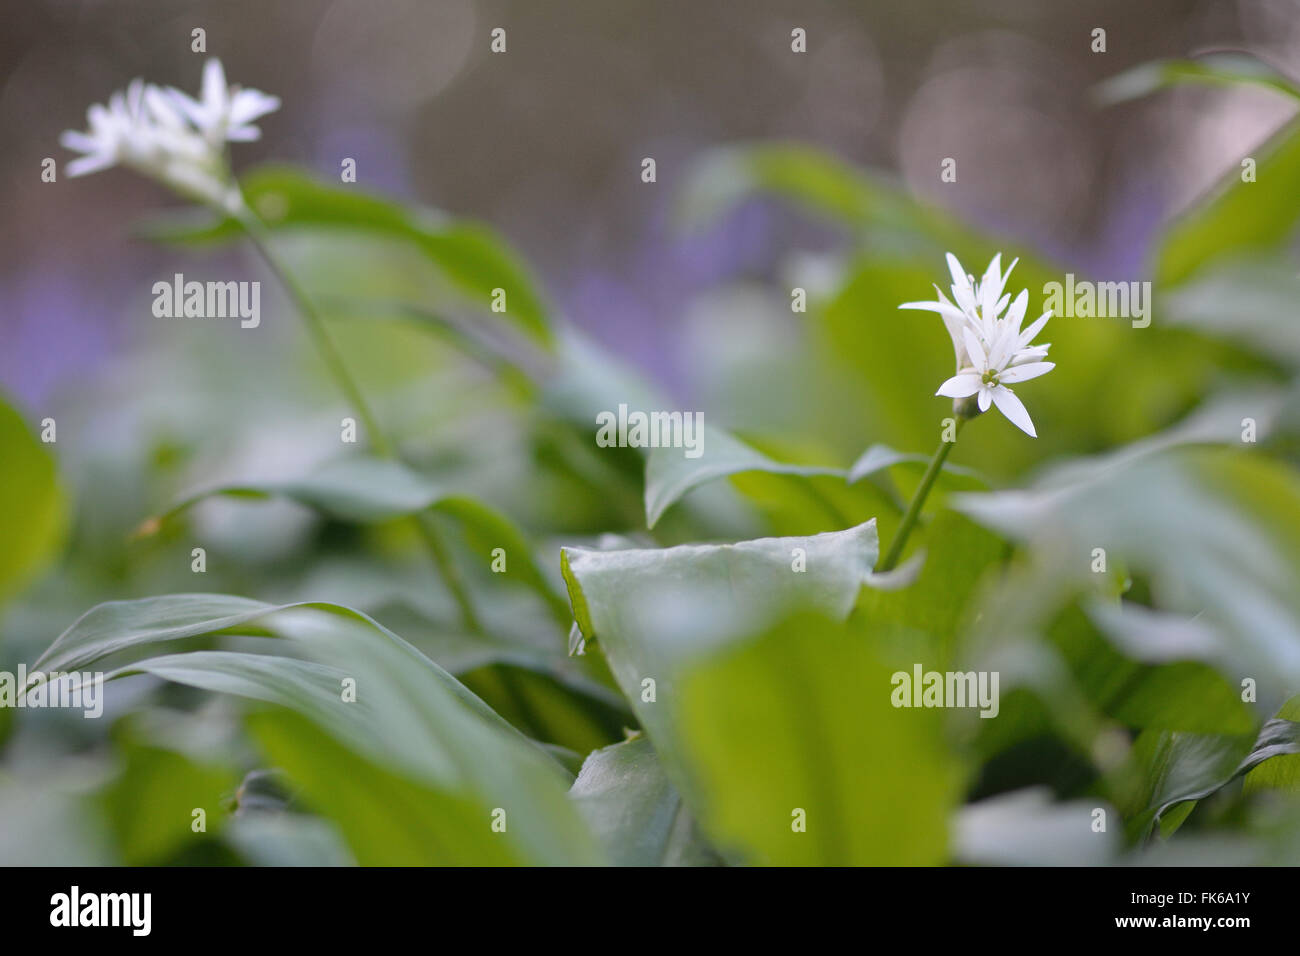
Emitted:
<point x="809" y="177"/>
<point x="635" y="812"/>
<point x="387" y="819"/>
<point x="150" y="805"/>
<point x="367" y="490"/>
<point x="1154" y="636"/>
<point x="301" y="685"/>
<point x="1282" y="772"/>
<point x="1250" y="305"/>
<point x="1269" y="835"/>
<point x="671" y="473"/>
<point x="1184" y="526"/>
<point x="812" y="180"/>
<point x="1170" y="676"/>
<point x="470" y="255"/>
<point x="515" y="365"/>
<point x="32" y="509"/>
<point x="119" y="627"/>
<point x="655" y="613"/>
<point x="1028" y="828"/>
<point x="286" y="839"/>
<point x="52" y="818"/>
<point x="1240" y="218"/>
<point x="923" y="616"/>
<point x="1154" y="676"/>
<point x="1218" y="69"/>
<point x="1187" y="767"/>
<point x="795" y="754"/>
<point x="516" y="640"/>
<point x="576" y="717"/>
<point x="587" y="381"/>
<point x="410" y="716"/>
<point x="650" y="608"/>
<point x="1216" y="533"/>
<point x="789" y="504"/>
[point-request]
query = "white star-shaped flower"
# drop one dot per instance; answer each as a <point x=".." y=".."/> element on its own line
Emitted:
<point x="224" y="113"/>
<point x="118" y="133"/>
<point x="991" y="371"/>
<point x="990" y="348"/>
<point x="172" y="138"/>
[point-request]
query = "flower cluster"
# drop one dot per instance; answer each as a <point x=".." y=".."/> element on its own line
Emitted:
<point x="991" y="350"/>
<point x="172" y="137"/>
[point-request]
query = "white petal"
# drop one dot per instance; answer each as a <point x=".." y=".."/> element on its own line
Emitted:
<point x="214" y="85"/>
<point x="101" y="120"/>
<point x="1012" y="407"/>
<point x="188" y="105"/>
<point x="943" y="308"/>
<point x="958" y="273"/>
<point x="994" y="271"/>
<point x="967" y="315"/>
<point x="973" y="348"/>
<point x="90" y="164"/>
<point x="1028" y="334"/>
<point x="988" y="301"/>
<point x="1000" y="347"/>
<point x="1023" y="373"/>
<point x="962" y="385"/>
<point x="1025" y="356"/>
<point x="243" y="134"/>
<point x="81" y="142"/>
<point x="1017" y="313"/>
<point x="986" y="397"/>
<point x="135" y="96"/>
<point x="249" y="105"/>
<point x="1006" y="277"/>
<point x="962" y="291"/>
<point x="965" y="297"/>
<point x="163" y="107"/>
<point x="991" y="285"/>
<point x="955" y="327"/>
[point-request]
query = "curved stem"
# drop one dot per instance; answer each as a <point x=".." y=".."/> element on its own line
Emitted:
<point x="383" y="446"/>
<point x="320" y="335"/>
<point x="890" y="561"/>
<point x="447" y="569"/>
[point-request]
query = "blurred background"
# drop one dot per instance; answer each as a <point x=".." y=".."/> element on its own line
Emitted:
<point x="545" y="142"/>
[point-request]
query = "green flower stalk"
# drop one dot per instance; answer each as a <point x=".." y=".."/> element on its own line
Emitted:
<point x="895" y="552"/>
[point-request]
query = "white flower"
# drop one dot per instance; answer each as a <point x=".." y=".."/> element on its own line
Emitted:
<point x="224" y="113"/>
<point x="991" y="371"/>
<point x="991" y="350"/>
<point x="119" y="133"/>
<point x="169" y="137"/>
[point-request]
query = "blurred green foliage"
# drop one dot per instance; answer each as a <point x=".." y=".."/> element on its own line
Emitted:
<point x="724" y="703"/>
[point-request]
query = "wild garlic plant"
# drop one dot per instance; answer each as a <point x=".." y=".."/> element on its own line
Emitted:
<point x="182" y="143"/>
